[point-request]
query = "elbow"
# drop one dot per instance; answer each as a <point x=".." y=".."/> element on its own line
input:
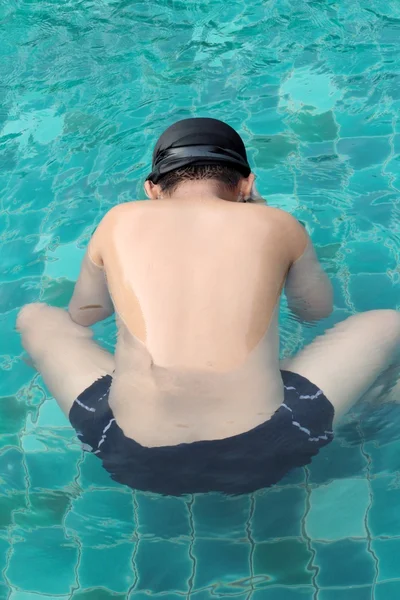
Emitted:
<point x="321" y="302"/>
<point x="81" y="316"/>
<point x="322" y="312"/>
<point x="312" y="315"/>
<point x="87" y="315"/>
<point x="311" y="312"/>
<point x="77" y="317"/>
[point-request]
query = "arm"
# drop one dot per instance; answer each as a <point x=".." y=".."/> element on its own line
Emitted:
<point x="308" y="289"/>
<point x="91" y="301"/>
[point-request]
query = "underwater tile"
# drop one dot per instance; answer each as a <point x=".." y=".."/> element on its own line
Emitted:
<point x="51" y="557"/>
<point x="219" y="516"/>
<point x="223" y="564"/>
<point x="50" y="415"/>
<point x="388" y="554"/>
<point x="370" y="292"/>
<point x="21" y="251"/>
<point x="13" y="413"/>
<point x="368" y="257"/>
<point x="297" y="477"/>
<point x="102" y="517"/>
<point x="57" y="439"/>
<point x="392" y="171"/>
<point x="162" y="516"/>
<point x="57" y="292"/>
<point x="209" y="594"/>
<point x="311" y="127"/>
<point x="46" y="509"/>
<point x="270" y="562"/>
<point x="97" y="594"/>
<point x="396" y="143"/>
<point x="380" y="424"/>
<point x="306" y="592"/>
<point x="350" y="497"/>
<point x="278" y="513"/>
<point x="163" y="566"/>
<point x="354" y="564"/>
<point x="308" y="88"/>
<point x="107" y="566"/>
<point x="279" y="180"/>
<point x="337" y="461"/>
<point x="283" y="201"/>
<point x="19" y="595"/>
<point x="15" y="294"/>
<point x="272" y="149"/>
<point x="350" y="593"/>
<point x="363" y="152"/>
<point x="93" y="474"/>
<point x="370" y="188"/>
<point x="385" y="459"/>
<point x="4" y="549"/>
<point x="267" y="122"/>
<point x="145" y="595"/>
<point x="31" y="443"/>
<point x="384" y="515"/>
<point x="5" y="592"/>
<point x="364" y="124"/>
<point x="375" y="208"/>
<point x="12" y="471"/>
<point x="9" y="504"/>
<point x="317" y="149"/>
<point x="54" y="470"/>
<point x="7" y="442"/>
<point x="389" y="590"/>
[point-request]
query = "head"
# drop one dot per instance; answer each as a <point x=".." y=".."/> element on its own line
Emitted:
<point x="202" y="156"/>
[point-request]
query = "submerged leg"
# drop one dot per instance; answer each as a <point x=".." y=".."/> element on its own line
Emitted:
<point x="347" y="361"/>
<point x="62" y="351"/>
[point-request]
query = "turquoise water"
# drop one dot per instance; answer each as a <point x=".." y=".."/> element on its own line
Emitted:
<point x="86" y="86"/>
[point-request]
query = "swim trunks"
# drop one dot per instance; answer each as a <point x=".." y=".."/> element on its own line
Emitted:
<point x="243" y="463"/>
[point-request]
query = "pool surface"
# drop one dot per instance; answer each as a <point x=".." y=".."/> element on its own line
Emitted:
<point x="86" y="86"/>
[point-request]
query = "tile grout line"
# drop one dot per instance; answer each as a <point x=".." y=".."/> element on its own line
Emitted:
<point x="369" y="537"/>
<point x="192" y="556"/>
<point x="252" y="544"/>
<point x="76" y="538"/>
<point x="28" y="504"/>
<point x="136" y="536"/>
<point x="305" y="535"/>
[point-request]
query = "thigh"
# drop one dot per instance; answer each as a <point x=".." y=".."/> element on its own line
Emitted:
<point x="347" y="360"/>
<point x="62" y="351"/>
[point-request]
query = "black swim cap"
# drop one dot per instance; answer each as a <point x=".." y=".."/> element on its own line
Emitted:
<point x="198" y="141"/>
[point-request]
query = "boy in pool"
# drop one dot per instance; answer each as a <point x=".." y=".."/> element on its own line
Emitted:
<point x="194" y="398"/>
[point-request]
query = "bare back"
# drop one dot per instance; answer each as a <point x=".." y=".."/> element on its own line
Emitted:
<point x="196" y="286"/>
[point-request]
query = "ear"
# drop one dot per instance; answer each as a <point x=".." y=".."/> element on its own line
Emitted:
<point x="246" y="186"/>
<point x="152" y="190"/>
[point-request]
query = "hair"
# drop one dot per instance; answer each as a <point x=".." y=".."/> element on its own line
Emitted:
<point x="226" y="178"/>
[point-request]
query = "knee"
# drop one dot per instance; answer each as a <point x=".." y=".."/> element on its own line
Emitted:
<point x="385" y="319"/>
<point x="385" y="323"/>
<point x="40" y="316"/>
<point x="29" y="315"/>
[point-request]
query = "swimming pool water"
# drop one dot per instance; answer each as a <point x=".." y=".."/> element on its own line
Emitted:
<point x="86" y="86"/>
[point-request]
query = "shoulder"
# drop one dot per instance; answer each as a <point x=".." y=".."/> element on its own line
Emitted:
<point x="119" y="215"/>
<point x="114" y="219"/>
<point x="121" y="211"/>
<point x="286" y="226"/>
<point x="279" y="217"/>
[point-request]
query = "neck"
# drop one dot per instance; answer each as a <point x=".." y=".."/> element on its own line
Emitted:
<point x="203" y="190"/>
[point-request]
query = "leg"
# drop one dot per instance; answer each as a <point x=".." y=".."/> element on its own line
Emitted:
<point x="62" y="351"/>
<point x="349" y="359"/>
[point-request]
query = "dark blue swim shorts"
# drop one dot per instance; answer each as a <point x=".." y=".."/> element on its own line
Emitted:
<point x="243" y="463"/>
